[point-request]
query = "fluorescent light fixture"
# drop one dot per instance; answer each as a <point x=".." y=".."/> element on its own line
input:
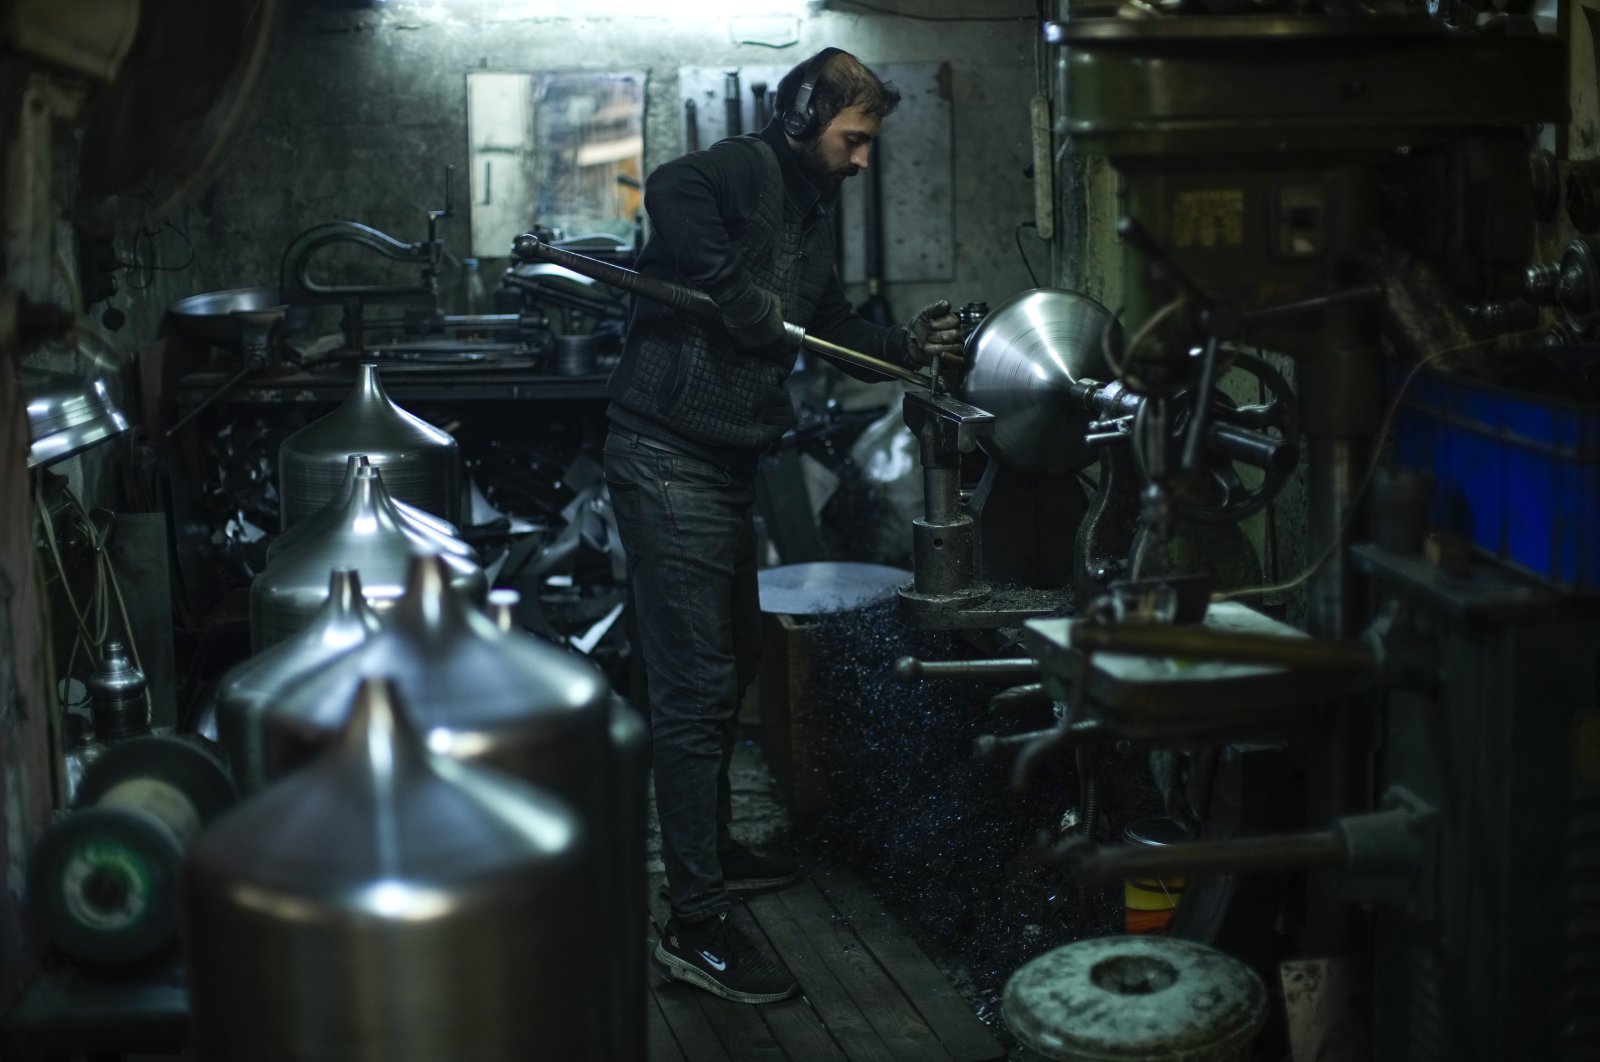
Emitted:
<point x="508" y="10"/>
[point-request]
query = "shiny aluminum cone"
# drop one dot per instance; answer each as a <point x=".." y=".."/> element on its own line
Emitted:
<point x="1021" y="362"/>
<point x="421" y="464"/>
<point x="344" y="622"/>
<point x="369" y="537"/>
<point x="515" y="702"/>
<point x="389" y="905"/>
<point x="431" y="532"/>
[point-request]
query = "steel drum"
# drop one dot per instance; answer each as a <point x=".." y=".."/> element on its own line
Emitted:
<point x="1021" y="362"/>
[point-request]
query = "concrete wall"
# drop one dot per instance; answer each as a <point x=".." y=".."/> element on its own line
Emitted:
<point x="358" y="113"/>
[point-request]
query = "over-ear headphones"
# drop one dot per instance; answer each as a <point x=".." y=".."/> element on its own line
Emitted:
<point x="800" y="119"/>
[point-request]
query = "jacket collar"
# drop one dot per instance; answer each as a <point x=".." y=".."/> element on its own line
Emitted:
<point x="802" y="193"/>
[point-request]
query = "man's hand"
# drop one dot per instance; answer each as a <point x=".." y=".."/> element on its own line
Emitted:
<point x="935" y="332"/>
<point x="756" y="321"/>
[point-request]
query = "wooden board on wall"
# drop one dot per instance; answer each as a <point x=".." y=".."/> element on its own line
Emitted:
<point x="916" y="150"/>
<point x="25" y="777"/>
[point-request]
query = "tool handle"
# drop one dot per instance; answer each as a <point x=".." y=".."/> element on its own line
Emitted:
<point x="529" y="248"/>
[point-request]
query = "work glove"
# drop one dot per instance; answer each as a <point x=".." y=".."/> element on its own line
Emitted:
<point x="755" y="321"/>
<point x="935" y="332"/>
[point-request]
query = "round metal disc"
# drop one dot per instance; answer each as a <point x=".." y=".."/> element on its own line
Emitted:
<point x="1021" y="362"/>
<point x="826" y="586"/>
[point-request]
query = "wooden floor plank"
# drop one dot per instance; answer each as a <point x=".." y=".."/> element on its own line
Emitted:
<point x="663" y="1046"/>
<point x="798" y="1027"/>
<point x="740" y="1027"/>
<point x="879" y="998"/>
<point x="798" y="1024"/>
<point x="965" y="1037"/>
<point x="690" y="1027"/>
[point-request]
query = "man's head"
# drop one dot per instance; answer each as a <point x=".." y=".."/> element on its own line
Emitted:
<point x="831" y="108"/>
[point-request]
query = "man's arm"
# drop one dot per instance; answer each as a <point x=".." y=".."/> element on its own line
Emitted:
<point x="934" y="332"/>
<point x="836" y="321"/>
<point x="690" y="200"/>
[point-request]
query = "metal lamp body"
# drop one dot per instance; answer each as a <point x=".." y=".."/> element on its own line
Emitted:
<point x="370" y="537"/>
<point x="438" y="533"/>
<point x="421" y="464"/>
<point x="246" y="691"/>
<point x="511" y="701"/>
<point x="394" y="906"/>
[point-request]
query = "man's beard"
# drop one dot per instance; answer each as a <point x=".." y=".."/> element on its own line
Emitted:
<point x="817" y="171"/>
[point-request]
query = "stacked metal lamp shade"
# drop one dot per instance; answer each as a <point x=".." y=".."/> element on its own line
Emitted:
<point x="508" y="700"/>
<point x="245" y="692"/>
<point x="421" y="463"/>
<point x="389" y="904"/>
<point x="434" y="531"/>
<point x="367" y="534"/>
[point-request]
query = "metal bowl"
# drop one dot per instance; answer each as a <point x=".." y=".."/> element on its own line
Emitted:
<point x="209" y="317"/>
<point x="1022" y="361"/>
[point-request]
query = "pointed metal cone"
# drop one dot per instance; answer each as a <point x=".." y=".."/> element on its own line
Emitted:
<point x="379" y="742"/>
<point x="368" y="386"/>
<point x="370" y="509"/>
<point x="502" y="608"/>
<point x="430" y="605"/>
<point x="347" y="618"/>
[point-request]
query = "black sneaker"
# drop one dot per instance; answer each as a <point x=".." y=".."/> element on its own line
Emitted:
<point x="747" y="871"/>
<point x="715" y="956"/>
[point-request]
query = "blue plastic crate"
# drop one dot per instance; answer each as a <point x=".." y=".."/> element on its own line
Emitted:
<point x="1517" y="474"/>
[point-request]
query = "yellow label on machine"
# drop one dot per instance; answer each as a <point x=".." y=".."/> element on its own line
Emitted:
<point x="1208" y="217"/>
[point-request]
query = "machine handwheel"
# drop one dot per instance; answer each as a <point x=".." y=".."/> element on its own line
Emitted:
<point x="1218" y="493"/>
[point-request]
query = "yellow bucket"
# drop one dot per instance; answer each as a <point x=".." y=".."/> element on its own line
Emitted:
<point x="1149" y="902"/>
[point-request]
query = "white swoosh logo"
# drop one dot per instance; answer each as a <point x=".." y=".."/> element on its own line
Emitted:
<point x="712" y="961"/>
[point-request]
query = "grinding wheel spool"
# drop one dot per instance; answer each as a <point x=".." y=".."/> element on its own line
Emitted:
<point x="103" y="879"/>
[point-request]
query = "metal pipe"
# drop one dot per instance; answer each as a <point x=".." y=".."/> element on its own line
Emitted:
<point x="1251" y="447"/>
<point x="1008" y="672"/>
<point x="1097" y="866"/>
<point x="1204" y="643"/>
<point x="529" y="248"/>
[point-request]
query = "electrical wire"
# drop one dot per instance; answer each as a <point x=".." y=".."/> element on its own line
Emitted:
<point x="935" y="18"/>
<point x="107" y="587"/>
<point x="1138" y="337"/>
<point x="1378" y="442"/>
<point x="1016" y="234"/>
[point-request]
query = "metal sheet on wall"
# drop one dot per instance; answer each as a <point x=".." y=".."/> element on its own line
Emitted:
<point x="916" y="151"/>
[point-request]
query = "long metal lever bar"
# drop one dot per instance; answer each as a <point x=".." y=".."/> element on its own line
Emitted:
<point x="529" y="248"/>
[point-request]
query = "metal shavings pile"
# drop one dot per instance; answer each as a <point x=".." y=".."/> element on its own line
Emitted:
<point x="944" y="841"/>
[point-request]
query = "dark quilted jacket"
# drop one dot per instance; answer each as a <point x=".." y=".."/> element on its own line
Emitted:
<point x="736" y="215"/>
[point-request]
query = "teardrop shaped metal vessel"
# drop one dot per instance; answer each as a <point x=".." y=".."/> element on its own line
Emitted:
<point x="421" y="463"/>
<point x="243" y="694"/>
<point x="1022" y="360"/>
<point x="433" y="532"/>
<point x="502" y="698"/>
<point x="369" y="537"/>
<point x="394" y="906"/>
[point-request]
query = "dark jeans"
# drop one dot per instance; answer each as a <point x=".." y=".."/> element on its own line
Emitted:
<point x="688" y="529"/>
